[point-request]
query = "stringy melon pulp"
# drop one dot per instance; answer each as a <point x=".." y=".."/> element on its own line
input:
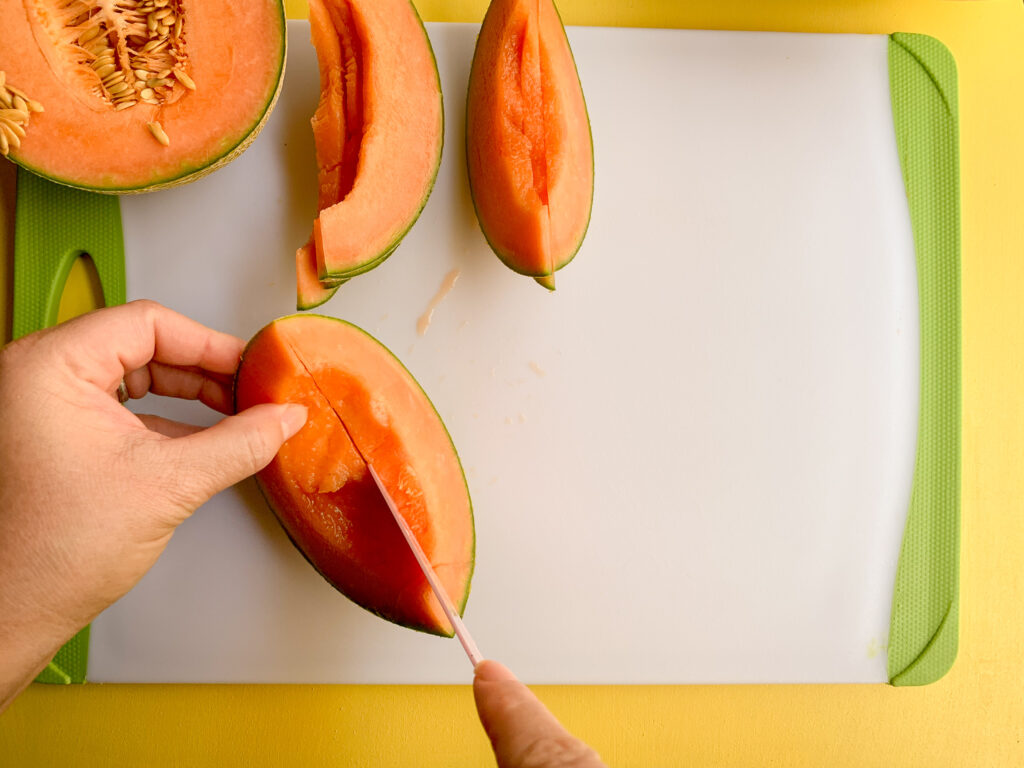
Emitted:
<point x="119" y="53"/>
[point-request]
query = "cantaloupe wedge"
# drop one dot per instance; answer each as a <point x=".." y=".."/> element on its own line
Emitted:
<point x="528" y="144"/>
<point x="363" y="406"/>
<point x="379" y="131"/>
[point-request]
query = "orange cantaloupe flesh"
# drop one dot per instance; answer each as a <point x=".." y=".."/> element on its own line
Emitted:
<point x="235" y="57"/>
<point x="363" y="406"/>
<point x="529" y="148"/>
<point x="350" y="91"/>
<point x="328" y="122"/>
<point x="390" y="128"/>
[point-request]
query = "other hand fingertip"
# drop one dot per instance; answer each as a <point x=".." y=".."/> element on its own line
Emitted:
<point x="490" y="671"/>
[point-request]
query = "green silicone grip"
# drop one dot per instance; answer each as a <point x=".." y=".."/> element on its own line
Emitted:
<point x="924" y="632"/>
<point x="54" y="226"/>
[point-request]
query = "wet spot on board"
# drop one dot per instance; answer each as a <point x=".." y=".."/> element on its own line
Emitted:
<point x="875" y="648"/>
<point x="423" y="324"/>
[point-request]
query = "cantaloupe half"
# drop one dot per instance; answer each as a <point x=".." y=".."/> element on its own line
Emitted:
<point x="140" y="94"/>
<point x="528" y="144"/>
<point x="379" y="132"/>
<point x="364" y="407"/>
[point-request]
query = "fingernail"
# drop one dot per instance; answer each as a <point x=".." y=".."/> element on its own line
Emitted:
<point x="493" y="672"/>
<point x="292" y="419"/>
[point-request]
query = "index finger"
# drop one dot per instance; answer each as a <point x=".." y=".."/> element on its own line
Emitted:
<point x="103" y="346"/>
<point x="521" y="729"/>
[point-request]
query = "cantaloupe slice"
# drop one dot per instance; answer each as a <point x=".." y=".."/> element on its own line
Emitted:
<point x="140" y="94"/>
<point x="364" y="406"/>
<point x="528" y="145"/>
<point x="329" y="138"/>
<point x="310" y="291"/>
<point x="381" y="108"/>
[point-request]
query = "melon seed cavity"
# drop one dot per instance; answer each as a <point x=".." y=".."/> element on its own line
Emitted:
<point x="15" y="110"/>
<point x="126" y="53"/>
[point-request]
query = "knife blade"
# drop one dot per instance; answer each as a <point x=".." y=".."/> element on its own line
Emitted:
<point x="468" y="644"/>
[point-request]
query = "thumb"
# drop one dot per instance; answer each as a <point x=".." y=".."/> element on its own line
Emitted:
<point x="237" y="446"/>
<point x="522" y="731"/>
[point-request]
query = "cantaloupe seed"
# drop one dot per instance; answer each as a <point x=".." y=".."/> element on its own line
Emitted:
<point x="15" y="109"/>
<point x="158" y="133"/>
<point x="124" y="53"/>
<point x="184" y="79"/>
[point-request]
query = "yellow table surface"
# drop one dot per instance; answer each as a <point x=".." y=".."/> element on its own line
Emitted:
<point x="972" y="717"/>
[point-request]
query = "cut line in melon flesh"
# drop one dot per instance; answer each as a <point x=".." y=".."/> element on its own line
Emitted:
<point x="532" y="117"/>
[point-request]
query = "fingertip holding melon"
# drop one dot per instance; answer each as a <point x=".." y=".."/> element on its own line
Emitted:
<point x="139" y="97"/>
<point x="529" y="149"/>
<point x="378" y="129"/>
<point x="363" y="407"/>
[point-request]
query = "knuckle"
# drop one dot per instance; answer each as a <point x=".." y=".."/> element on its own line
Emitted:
<point x="561" y="751"/>
<point x="144" y="312"/>
<point x="144" y="306"/>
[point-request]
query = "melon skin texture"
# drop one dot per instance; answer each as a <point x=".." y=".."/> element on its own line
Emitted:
<point x="529" y="148"/>
<point x="363" y="406"/>
<point x="397" y="122"/>
<point x="234" y="56"/>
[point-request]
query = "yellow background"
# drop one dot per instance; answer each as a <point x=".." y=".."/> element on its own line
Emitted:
<point x="973" y="717"/>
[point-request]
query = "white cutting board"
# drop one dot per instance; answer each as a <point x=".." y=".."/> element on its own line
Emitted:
<point x="690" y="464"/>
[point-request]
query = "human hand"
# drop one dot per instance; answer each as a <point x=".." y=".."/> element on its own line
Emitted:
<point x="522" y="731"/>
<point x="90" y="493"/>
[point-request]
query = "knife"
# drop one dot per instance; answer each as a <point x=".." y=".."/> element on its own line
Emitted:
<point x="450" y="611"/>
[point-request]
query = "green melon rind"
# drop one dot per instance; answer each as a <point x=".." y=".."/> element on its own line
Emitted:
<point x="455" y="453"/>
<point x="337" y="282"/>
<point x="547" y="281"/>
<point x="506" y="259"/>
<point x="305" y="304"/>
<point x="196" y="172"/>
<point x="376" y="261"/>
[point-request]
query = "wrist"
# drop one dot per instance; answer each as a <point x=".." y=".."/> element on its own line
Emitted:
<point x="29" y="639"/>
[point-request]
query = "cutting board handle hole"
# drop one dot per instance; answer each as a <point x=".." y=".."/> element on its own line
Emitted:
<point x="82" y="291"/>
